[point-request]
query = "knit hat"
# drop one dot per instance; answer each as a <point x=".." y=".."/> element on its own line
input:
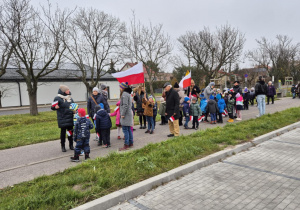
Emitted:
<point x="252" y="88"/>
<point x="95" y="89"/>
<point x="211" y="97"/>
<point x="63" y="88"/>
<point x="101" y="105"/>
<point x="176" y="85"/>
<point x="237" y="95"/>
<point x="124" y="85"/>
<point x="81" y="112"/>
<point x="103" y="87"/>
<point x="211" y="84"/>
<point x="150" y="96"/>
<point x="246" y="90"/>
<point x="73" y="106"/>
<point x="162" y="99"/>
<point x="236" y="82"/>
<point x="166" y="84"/>
<point x="202" y="95"/>
<point x="218" y="96"/>
<point x="186" y="99"/>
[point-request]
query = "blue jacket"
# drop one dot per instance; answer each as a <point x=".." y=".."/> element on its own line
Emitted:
<point x="103" y="120"/>
<point x="82" y="128"/>
<point x="203" y="105"/>
<point x="186" y="108"/>
<point x="221" y="105"/>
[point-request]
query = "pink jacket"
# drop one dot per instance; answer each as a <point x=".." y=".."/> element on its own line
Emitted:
<point x="117" y="113"/>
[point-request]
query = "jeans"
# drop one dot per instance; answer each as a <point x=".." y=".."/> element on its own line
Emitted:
<point x="154" y="120"/>
<point x="128" y="135"/>
<point x="294" y="95"/>
<point x="261" y="104"/>
<point x="150" y="123"/>
<point x="213" y="117"/>
<point x="187" y="119"/>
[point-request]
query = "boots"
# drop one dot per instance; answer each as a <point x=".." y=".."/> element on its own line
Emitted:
<point x="71" y="146"/>
<point x="63" y="148"/>
<point x="75" y="158"/>
<point x="124" y="148"/>
<point x="87" y="156"/>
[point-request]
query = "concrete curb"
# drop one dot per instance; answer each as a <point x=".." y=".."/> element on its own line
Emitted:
<point x="140" y="188"/>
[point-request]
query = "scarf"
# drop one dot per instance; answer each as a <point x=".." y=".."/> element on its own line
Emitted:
<point x="67" y="97"/>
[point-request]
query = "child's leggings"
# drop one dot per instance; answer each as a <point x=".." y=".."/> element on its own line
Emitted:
<point x="119" y="131"/>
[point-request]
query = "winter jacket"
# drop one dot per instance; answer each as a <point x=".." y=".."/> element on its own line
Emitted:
<point x="271" y="90"/>
<point x="148" y="111"/>
<point x="212" y="107"/>
<point x="82" y="128"/>
<point x="246" y="96"/>
<point x="139" y="101"/>
<point x="221" y="105"/>
<point x="208" y="91"/>
<point x="293" y="89"/>
<point x="155" y="109"/>
<point x="186" y="109"/>
<point x="195" y="109"/>
<point x="64" y="113"/>
<point x="162" y="108"/>
<point x="239" y="100"/>
<point x="195" y="91"/>
<point x="236" y="90"/>
<point x="172" y="104"/>
<point x="125" y="108"/>
<point x="103" y="120"/>
<point x="230" y="105"/>
<point x="252" y="95"/>
<point x="203" y="105"/>
<point x="180" y="92"/>
<point x="117" y="113"/>
<point x="91" y="104"/>
<point x="261" y="88"/>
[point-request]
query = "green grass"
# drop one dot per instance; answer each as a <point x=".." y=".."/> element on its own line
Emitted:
<point x="24" y="129"/>
<point x="99" y="177"/>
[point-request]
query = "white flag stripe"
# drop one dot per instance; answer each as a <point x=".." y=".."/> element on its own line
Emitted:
<point x="137" y="69"/>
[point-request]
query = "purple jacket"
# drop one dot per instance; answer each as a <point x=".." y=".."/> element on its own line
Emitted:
<point x="271" y="90"/>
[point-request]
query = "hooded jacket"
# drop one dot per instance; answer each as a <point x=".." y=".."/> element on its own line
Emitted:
<point x="203" y="105"/>
<point x="230" y="105"/>
<point x="162" y="108"/>
<point x="64" y="113"/>
<point x="186" y="109"/>
<point x="117" y="113"/>
<point x="261" y="88"/>
<point x="212" y="107"/>
<point x="195" y="109"/>
<point x="103" y="120"/>
<point x="208" y="90"/>
<point x="148" y="110"/>
<point x="125" y="108"/>
<point x="221" y="105"/>
<point x="82" y="128"/>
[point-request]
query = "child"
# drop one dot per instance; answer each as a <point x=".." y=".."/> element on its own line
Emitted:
<point x="186" y="111"/>
<point x="148" y="112"/>
<point x="103" y="125"/>
<point x="221" y="106"/>
<point x="246" y="97"/>
<point x="82" y="135"/>
<point x="293" y="91"/>
<point x="203" y="105"/>
<point x="162" y="111"/>
<point x="239" y="106"/>
<point x="213" y="109"/>
<point x="117" y="114"/>
<point x="230" y="104"/>
<point x="195" y="111"/>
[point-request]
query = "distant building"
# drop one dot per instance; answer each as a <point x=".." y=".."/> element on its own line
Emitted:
<point x="67" y="74"/>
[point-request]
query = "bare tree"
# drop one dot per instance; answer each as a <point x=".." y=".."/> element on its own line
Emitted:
<point x="37" y="40"/>
<point x="280" y="55"/>
<point x="149" y="45"/>
<point x="93" y="44"/>
<point x="211" y="51"/>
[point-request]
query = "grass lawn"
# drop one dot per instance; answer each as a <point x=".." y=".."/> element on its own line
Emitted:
<point x="95" y="178"/>
<point x="24" y="129"/>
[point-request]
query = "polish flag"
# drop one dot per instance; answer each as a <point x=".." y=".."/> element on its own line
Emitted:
<point x="94" y="116"/>
<point x="54" y="103"/>
<point x="134" y="75"/>
<point x="69" y="133"/>
<point x="223" y="114"/>
<point x="191" y="118"/>
<point x="186" y="81"/>
<point x="225" y="111"/>
<point x="117" y="108"/>
<point x="172" y="119"/>
<point x="200" y="119"/>
<point x="87" y="116"/>
<point x="98" y="135"/>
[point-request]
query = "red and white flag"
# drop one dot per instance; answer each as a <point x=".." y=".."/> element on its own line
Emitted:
<point x="201" y="118"/>
<point x="134" y="75"/>
<point x="94" y="116"/>
<point x="98" y="135"/>
<point x="226" y="112"/>
<point x="223" y="114"/>
<point x="54" y="103"/>
<point x="69" y="133"/>
<point x="191" y="118"/>
<point x="117" y="108"/>
<point x="172" y="119"/>
<point x="186" y="81"/>
<point x="87" y="116"/>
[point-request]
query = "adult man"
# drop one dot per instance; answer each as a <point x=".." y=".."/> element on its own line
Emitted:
<point x="261" y="90"/>
<point x="172" y="109"/>
<point x="193" y="89"/>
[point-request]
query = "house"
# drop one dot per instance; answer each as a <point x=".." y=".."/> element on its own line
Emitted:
<point x="68" y="74"/>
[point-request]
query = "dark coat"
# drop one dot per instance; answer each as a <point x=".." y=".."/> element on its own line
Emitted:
<point x="271" y="90"/>
<point x="172" y="104"/>
<point x="64" y="113"/>
<point x="212" y="107"/>
<point x="82" y="128"/>
<point x="195" y="91"/>
<point x="236" y="90"/>
<point x="186" y="109"/>
<point x="155" y="109"/>
<point x="103" y="120"/>
<point x="293" y="89"/>
<point x="246" y="96"/>
<point x="261" y="88"/>
<point x="139" y="101"/>
<point x="91" y="104"/>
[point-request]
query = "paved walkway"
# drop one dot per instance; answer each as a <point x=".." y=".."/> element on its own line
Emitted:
<point x="27" y="162"/>
<point x="265" y="177"/>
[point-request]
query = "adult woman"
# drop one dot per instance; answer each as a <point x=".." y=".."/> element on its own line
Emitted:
<point x="139" y="95"/>
<point x="61" y="105"/>
<point x="126" y="114"/>
<point x="271" y="92"/>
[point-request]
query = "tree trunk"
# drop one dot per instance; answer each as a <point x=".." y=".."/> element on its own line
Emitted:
<point x="151" y="88"/>
<point x="33" y="102"/>
<point x="0" y="99"/>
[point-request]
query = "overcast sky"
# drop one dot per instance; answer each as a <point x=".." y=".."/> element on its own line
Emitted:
<point x="255" y="18"/>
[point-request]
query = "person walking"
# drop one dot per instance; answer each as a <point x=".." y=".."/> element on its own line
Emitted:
<point x="172" y="109"/>
<point x="261" y="91"/>
<point x="61" y="105"/>
<point x="271" y="92"/>
<point x="209" y="90"/>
